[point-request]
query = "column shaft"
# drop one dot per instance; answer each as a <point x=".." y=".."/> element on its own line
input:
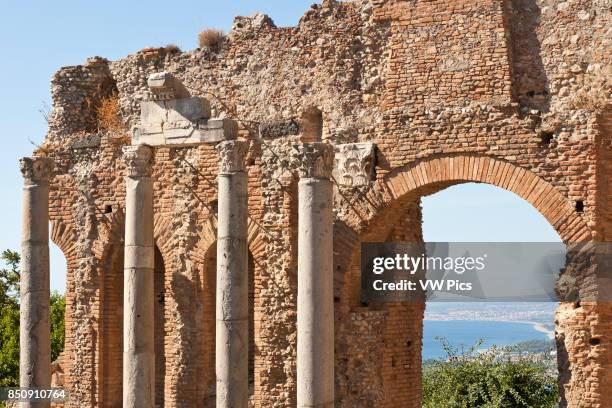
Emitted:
<point x="34" y="336"/>
<point x="315" y="309"/>
<point x="232" y="309"/>
<point x="138" y="321"/>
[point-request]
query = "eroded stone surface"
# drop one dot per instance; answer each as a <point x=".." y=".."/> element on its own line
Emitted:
<point x="173" y="118"/>
<point x="232" y="306"/>
<point x="354" y="164"/>
<point x="138" y="283"/>
<point x="34" y="287"/>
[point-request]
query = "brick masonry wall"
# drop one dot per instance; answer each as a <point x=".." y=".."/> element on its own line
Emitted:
<point x="511" y="93"/>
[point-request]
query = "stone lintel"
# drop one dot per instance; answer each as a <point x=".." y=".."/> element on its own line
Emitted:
<point x="173" y="112"/>
<point x="207" y="132"/>
<point x="182" y="122"/>
<point x="354" y="164"/>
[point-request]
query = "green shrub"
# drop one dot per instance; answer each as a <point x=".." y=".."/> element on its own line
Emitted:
<point x="58" y="330"/>
<point x="494" y="378"/>
<point x="9" y="346"/>
<point x="9" y="319"/>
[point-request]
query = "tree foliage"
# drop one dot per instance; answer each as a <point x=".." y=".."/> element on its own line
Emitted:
<point x="9" y="278"/>
<point x="58" y="330"/>
<point x="494" y="378"/>
<point x="9" y="346"/>
<point x="9" y="320"/>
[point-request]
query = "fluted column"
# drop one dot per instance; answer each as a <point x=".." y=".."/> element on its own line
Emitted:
<point x="138" y="323"/>
<point x="315" y="309"/>
<point x="34" y="336"/>
<point x="232" y="335"/>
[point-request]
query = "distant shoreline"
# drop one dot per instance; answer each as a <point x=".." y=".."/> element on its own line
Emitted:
<point x="540" y="327"/>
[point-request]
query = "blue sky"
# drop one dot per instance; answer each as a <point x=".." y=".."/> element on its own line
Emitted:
<point x="38" y="37"/>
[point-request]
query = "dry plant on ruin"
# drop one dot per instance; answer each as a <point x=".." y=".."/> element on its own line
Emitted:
<point x="211" y="38"/>
<point x="172" y="49"/>
<point x="108" y="117"/>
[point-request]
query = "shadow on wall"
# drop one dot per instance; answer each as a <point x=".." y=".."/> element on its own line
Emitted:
<point x="530" y="82"/>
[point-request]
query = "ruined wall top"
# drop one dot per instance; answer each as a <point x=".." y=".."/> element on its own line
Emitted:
<point x="357" y="60"/>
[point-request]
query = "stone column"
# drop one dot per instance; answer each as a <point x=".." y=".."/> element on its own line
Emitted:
<point x="138" y="306"/>
<point x="315" y="309"/>
<point x="232" y="309"/>
<point x="34" y="336"/>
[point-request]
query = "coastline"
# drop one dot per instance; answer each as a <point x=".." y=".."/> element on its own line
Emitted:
<point x="538" y="326"/>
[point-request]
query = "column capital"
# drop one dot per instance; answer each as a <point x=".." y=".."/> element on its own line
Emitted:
<point x="315" y="160"/>
<point x="354" y="164"/>
<point x="36" y="169"/>
<point x="138" y="160"/>
<point x="231" y="156"/>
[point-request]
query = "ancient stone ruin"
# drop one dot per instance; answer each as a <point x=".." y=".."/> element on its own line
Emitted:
<point x="219" y="228"/>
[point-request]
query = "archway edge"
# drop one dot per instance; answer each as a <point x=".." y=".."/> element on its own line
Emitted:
<point x="415" y="179"/>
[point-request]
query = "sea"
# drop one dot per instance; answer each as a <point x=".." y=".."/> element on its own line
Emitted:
<point x="466" y="333"/>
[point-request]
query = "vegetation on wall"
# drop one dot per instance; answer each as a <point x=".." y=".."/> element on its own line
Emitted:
<point x="108" y="116"/>
<point x="211" y="38"/>
<point x="9" y="320"/>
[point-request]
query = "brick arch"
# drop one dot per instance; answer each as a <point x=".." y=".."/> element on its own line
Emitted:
<point x="64" y="236"/>
<point x="163" y="236"/>
<point x="375" y="215"/>
<point x="257" y="238"/>
<point x="436" y="173"/>
<point x="108" y="248"/>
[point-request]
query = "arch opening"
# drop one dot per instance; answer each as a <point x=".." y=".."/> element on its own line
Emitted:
<point x="111" y="328"/>
<point x="391" y="212"/>
<point x="472" y="212"/>
<point x="58" y="275"/>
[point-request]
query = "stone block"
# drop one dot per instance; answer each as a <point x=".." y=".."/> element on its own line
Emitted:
<point x="183" y="121"/>
<point x="191" y="109"/>
<point x="86" y="142"/>
<point x="273" y="130"/>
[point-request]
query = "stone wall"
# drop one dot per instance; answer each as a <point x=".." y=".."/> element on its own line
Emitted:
<point x="511" y="93"/>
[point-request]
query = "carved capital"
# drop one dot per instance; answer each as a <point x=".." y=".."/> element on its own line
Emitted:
<point x="138" y="160"/>
<point x="354" y="164"/>
<point x="36" y="169"/>
<point x="231" y="156"/>
<point x="315" y="160"/>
